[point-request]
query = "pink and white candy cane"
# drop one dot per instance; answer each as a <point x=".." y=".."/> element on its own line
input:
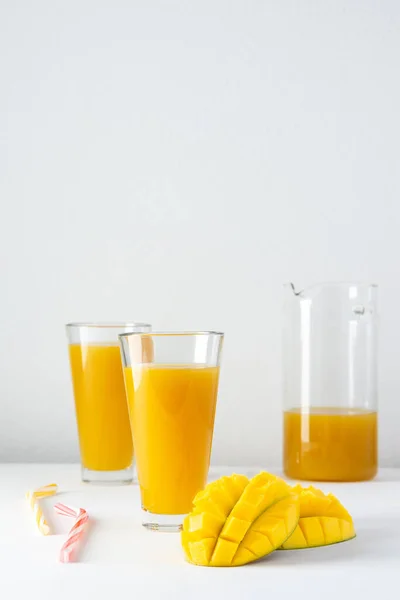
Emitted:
<point x="69" y="550"/>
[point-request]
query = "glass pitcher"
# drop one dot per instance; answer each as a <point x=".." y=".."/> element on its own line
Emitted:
<point x="330" y="382"/>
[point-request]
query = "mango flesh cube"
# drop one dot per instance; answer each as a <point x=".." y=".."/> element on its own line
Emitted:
<point x="274" y="529"/>
<point x="207" y="505"/>
<point x="205" y="522"/>
<point x="312" y="531"/>
<point x="244" y="556"/>
<point x="258" y="543"/>
<point x="201" y="551"/>
<point x="235" y="529"/>
<point x="185" y="545"/>
<point x="296" y="540"/>
<point x="236" y="521"/>
<point x="331" y="528"/>
<point x="235" y="484"/>
<point x="323" y="520"/>
<point x="223" y="554"/>
<point x="346" y="530"/>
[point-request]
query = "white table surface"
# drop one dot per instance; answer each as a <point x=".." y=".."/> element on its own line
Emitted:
<point x="120" y="556"/>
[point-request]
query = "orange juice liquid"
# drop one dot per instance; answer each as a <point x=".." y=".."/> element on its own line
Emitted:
<point x="105" y="437"/>
<point x="172" y="411"/>
<point x="330" y="444"/>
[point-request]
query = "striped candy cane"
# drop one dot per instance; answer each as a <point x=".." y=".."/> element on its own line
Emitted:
<point x="69" y="550"/>
<point x="33" y="497"/>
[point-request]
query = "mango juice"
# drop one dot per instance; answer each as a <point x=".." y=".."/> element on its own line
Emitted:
<point x="105" y="437"/>
<point x="330" y="444"/>
<point x="172" y="410"/>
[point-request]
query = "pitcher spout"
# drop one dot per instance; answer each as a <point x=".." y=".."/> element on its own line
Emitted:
<point x="290" y="288"/>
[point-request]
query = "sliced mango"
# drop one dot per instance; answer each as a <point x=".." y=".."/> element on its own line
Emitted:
<point x="323" y="520"/>
<point x="236" y="520"/>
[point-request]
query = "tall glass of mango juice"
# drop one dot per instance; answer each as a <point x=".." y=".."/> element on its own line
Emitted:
<point x="172" y="401"/>
<point x="105" y="437"/>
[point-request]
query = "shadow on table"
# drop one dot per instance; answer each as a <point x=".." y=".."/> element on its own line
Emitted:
<point x="380" y="538"/>
<point x="121" y="541"/>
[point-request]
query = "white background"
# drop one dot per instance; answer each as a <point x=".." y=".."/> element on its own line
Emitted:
<point x="176" y="162"/>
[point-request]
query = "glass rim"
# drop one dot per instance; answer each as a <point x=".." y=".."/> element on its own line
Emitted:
<point x="106" y="324"/>
<point x="171" y="333"/>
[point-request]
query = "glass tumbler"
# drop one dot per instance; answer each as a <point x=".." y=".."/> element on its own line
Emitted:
<point x="172" y="394"/>
<point x="105" y="437"/>
<point x="330" y="382"/>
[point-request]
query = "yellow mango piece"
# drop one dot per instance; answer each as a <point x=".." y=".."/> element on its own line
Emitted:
<point x="234" y="485"/>
<point x="201" y="551"/>
<point x="296" y="540"/>
<point x="312" y="531"/>
<point x="323" y="520"/>
<point x="224" y="552"/>
<point x="258" y="544"/>
<point x="185" y="540"/>
<point x="331" y="529"/>
<point x="262" y="491"/>
<point x="274" y="524"/>
<point x="207" y="523"/>
<point x="219" y="496"/>
<point x="236" y="521"/>
<point x="347" y="531"/>
<point x="235" y="529"/>
<point x="209" y="505"/>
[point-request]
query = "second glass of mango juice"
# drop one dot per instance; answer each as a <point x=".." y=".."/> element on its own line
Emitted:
<point x="172" y="400"/>
<point x="105" y="437"/>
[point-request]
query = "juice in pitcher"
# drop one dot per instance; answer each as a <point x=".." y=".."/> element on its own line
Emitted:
<point x="330" y="444"/>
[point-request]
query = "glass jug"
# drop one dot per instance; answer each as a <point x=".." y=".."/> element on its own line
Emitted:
<point x="330" y="382"/>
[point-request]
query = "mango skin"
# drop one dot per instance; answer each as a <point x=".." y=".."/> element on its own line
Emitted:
<point x="236" y="520"/>
<point x="323" y="521"/>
